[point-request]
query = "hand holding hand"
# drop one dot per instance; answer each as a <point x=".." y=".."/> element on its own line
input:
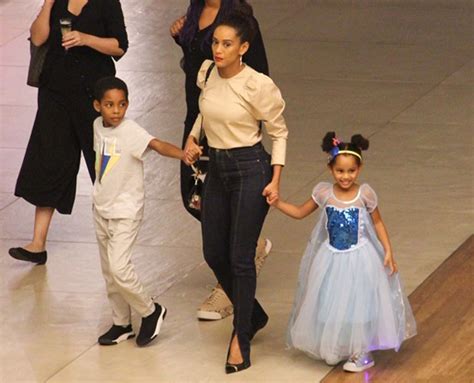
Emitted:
<point x="177" y="26"/>
<point x="74" y="39"/>
<point x="186" y="159"/>
<point x="192" y="150"/>
<point x="271" y="192"/>
<point x="390" y="262"/>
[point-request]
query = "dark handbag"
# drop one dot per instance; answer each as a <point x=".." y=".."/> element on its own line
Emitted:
<point x="37" y="57"/>
<point x="200" y="167"/>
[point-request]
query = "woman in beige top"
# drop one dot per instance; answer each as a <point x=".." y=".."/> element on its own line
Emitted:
<point x="242" y="176"/>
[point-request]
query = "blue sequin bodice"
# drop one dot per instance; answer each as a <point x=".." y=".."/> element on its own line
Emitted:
<point x="343" y="227"/>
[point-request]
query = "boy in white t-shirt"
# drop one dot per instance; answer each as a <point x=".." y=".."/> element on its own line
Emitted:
<point x="118" y="199"/>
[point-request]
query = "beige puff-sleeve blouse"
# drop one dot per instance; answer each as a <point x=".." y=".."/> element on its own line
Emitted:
<point x="231" y="110"/>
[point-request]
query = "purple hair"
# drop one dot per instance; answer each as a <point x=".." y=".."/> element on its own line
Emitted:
<point x="194" y="12"/>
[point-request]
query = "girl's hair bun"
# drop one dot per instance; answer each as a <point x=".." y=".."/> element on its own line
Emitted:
<point x="327" y="143"/>
<point x="360" y="142"/>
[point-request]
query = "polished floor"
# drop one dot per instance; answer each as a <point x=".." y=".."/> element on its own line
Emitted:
<point x="400" y="72"/>
<point x="444" y="347"/>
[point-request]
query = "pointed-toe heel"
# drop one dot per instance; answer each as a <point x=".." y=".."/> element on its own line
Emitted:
<point x="231" y="368"/>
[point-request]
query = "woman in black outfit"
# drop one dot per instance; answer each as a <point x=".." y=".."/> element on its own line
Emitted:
<point x="63" y="123"/>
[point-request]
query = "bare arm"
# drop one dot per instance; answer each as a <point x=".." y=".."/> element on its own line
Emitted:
<point x="296" y="211"/>
<point x="382" y="234"/>
<point x="106" y="45"/>
<point x="166" y="149"/>
<point x="39" y="30"/>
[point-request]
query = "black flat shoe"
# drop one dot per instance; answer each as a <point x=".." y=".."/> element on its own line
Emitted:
<point x="28" y="256"/>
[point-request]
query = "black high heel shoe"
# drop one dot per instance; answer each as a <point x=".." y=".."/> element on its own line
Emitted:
<point x="258" y="325"/>
<point x="230" y="368"/>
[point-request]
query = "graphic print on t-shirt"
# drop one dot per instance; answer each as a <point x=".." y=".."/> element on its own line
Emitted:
<point x="107" y="156"/>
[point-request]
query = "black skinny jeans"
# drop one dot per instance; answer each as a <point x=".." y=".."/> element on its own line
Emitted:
<point x="233" y="212"/>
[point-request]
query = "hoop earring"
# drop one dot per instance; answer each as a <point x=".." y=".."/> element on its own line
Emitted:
<point x="240" y="60"/>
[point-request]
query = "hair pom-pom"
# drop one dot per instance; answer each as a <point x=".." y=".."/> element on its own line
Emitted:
<point x="359" y="141"/>
<point x="327" y="143"/>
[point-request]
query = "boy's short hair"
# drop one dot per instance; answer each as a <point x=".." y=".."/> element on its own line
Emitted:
<point x="107" y="83"/>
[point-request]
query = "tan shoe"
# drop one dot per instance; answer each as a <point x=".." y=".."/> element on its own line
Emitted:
<point x="216" y="306"/>
<point x="264" y="245"/>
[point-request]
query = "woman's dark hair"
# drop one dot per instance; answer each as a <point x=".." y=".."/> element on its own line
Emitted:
<point x="107" y="83"/>
<point x="358" y="144"/>
<point x="242" y="24"/>
<point x="195" y="8"/>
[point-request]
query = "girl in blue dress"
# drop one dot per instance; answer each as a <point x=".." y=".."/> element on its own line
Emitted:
<point x="349" y="299"/>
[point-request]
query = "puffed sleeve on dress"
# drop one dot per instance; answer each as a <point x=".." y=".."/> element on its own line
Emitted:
<point x="368" y="197"/>
<point x="268" y="105"/>
<point x="321" y="193"/>
<point x="115" y="23"/>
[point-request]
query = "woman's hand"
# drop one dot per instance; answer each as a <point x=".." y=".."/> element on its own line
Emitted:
<point x="390" y="262"/>
<point x="177" y="25"/>
<point x="271" y="192"/>
<point x="48" y="2"/>
<point x="74" y="39"/>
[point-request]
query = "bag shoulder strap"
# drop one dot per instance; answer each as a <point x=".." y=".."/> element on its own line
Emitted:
<point x="208" y="72"/>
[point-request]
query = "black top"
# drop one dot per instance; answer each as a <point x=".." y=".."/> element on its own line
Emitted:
<point x="82" y="66"/>
<point x="198" y="51"/>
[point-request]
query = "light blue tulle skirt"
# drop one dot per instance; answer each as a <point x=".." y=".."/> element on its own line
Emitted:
<point x="346" y="302"/>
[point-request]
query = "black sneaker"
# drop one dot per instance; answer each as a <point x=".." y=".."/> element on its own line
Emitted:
<point x="115" y="335"/>
<point x="151" y="325"/>
<point x="28" y="256"/>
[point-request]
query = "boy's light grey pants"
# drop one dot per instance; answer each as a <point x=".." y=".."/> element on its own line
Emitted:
<point x="124" y="290"/>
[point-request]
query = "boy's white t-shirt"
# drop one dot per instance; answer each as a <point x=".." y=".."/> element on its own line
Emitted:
<point x="119" y="187"/>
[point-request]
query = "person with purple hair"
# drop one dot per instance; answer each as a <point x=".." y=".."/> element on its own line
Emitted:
<point x="193" y="33"/>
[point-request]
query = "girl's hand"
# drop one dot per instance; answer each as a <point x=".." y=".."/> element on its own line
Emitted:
<point x="271" y="192"/>
<point x="74" y="39"/>
<point x="177" y="25"/>
<point x="390" y="262"/>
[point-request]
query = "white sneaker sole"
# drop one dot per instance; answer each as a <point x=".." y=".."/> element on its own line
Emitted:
<point x="121" y="338"/>
<point x="209" y="315"/>
<point x="354" y="368"/>
<point x="159" y="322"/>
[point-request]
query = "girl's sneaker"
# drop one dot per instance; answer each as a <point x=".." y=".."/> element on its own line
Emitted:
<point x="359" y="362"/>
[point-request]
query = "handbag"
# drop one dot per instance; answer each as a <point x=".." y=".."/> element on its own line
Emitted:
<point x="195" y="194"/>
<point x="37" y="57"/>
<point x="200" y="167"/>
